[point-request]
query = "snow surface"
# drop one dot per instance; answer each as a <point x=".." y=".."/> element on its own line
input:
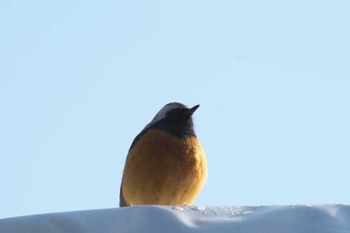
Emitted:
<point x="260" y="219"/>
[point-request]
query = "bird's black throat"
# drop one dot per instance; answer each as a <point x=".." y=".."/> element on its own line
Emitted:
<point x="180" y="126"/>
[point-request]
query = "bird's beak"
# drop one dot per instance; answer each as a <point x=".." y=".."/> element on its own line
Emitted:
<point x="192" y="110"/>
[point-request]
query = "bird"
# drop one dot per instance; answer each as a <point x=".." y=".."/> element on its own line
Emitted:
<point x="166" y="164"/>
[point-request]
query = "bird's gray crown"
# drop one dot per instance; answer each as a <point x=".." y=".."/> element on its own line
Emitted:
<point x="163" y="111"/>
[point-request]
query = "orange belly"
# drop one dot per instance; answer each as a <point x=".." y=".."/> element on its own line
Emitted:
<point x="164" y="170"/>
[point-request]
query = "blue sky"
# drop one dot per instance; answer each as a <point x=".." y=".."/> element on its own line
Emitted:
<point x="79" y="80"/>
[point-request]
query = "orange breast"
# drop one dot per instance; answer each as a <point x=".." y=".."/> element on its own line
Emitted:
<point x="164" y="170"/>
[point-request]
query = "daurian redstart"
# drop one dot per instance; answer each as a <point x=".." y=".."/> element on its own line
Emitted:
<point x="166" y="164"/>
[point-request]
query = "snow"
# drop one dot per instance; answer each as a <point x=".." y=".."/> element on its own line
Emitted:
<point x="249" y="219"/>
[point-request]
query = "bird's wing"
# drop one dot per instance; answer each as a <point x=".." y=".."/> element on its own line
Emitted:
<point x="122" y="202"/>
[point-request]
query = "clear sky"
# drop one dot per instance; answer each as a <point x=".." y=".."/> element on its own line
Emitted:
<point x="80" y="79"/>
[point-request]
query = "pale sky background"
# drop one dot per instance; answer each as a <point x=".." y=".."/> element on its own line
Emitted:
<point x="80" y="79"/>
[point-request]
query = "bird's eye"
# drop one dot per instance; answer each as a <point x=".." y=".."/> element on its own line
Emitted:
<point x="172" y="114"/>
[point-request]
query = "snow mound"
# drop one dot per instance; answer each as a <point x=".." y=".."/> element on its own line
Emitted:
<point x="272" y="219"/>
